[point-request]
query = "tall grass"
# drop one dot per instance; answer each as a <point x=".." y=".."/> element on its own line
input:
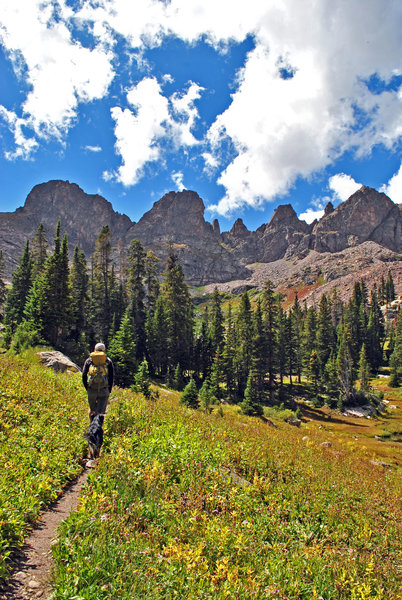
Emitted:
<point x="187" y="505"/>
<point x="42" y="418"/>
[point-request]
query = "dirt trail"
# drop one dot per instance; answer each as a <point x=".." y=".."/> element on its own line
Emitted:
<point x="32" y="566"/>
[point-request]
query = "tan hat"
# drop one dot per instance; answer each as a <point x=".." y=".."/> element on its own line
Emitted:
<point x="100" y="347"/>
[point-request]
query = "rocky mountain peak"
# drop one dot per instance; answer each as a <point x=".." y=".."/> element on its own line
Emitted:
<point x="239" y="229"/>
<point x="328" y="209"/>
<point x="283" y="214"/>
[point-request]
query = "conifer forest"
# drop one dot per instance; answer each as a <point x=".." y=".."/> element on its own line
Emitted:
<point x="236" y="350"/>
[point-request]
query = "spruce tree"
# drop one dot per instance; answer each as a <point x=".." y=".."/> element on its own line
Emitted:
<point x="39" y="251"/>
<point x="296" y="314"/>
<point x="203" y="348"/>
<point x="189" y="396"/>
<point x="325" y="333"/>
<point x="375" y="334"/>
<point x="364" y="370"/>
<point x="344" y="364"/>
<point x="3" y="289"/>
<point x="16" y="298"/>
<point x="157" y="338"/>
<point x="100" y="308"/>
<point x="389" y="289"/>
<point x="178" y="379"/>
<point x="151" y="281"/>
<point x="251" y="404"/>
<point x="259" y="350"/>
<point x="270" y="310"/>
<point x="122" y="350"/>
<point x="136" y="287"/>
<point x="142" y="380"/>
<point x="79" y="294"/>
<point x="309" y="337"/>
<point x="395" y="362"/>
<point x="216" y="331"/>
<point x="228" y="358"/>
<point x="206" y="396"/>
<point x="178" y="315"/>
<point x="244" y="354"/>
<point x="314" y="369"/>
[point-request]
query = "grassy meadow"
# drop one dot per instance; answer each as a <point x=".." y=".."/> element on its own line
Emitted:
<point x="190" y="505"/>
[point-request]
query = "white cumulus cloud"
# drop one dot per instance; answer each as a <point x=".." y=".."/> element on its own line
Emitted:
<point x="343" y="186"/>
<point x="393" y="188"/>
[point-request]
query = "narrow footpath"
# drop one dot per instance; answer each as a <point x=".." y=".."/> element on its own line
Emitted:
<point x="32" y="566"/>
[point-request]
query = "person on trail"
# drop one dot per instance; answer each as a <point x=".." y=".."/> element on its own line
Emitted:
<point x="98" y="378"/>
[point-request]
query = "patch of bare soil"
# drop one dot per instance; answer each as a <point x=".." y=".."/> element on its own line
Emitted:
<point x="32" y="566"/>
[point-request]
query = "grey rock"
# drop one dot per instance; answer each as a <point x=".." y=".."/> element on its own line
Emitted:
<point x="58" y="361"/>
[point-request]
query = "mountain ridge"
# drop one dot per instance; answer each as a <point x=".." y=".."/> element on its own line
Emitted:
<point x="207" y="254"/>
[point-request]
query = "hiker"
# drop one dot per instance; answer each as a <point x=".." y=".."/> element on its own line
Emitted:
<point x="98" y="377"/>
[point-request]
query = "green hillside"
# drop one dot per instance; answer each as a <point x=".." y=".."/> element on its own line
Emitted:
<point x="189" y="505"/>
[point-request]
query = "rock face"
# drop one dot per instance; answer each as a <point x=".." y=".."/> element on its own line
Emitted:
<point x="177" y="219"/>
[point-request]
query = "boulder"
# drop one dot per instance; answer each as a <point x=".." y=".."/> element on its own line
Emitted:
<point x="58" y="361"/>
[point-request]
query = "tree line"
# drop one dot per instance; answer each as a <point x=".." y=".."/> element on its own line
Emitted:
<point x="239" y="350"/>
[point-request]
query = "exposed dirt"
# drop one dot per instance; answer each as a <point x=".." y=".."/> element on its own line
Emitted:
<point x="32" y="566"/>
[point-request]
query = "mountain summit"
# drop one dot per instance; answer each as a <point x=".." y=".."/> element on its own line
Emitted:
<point x="177" y="220"/>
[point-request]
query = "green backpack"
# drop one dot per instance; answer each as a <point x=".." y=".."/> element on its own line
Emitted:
<point x="98" y="376"/>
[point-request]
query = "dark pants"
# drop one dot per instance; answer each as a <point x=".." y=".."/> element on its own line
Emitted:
<point x="97" y="400"/>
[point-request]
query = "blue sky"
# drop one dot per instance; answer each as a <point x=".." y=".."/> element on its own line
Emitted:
<point x="250" y="104"/>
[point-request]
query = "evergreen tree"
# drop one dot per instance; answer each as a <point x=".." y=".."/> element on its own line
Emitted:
<point x="309" y="340"/>
<point x="122" y="351"/>
<point x="228" y="358"/>
<point x="296" y="315"/>
<point x="395" y="362"/>
<point x="3" y="289"/>
<point x="216" y="331"/>
<point x="364" y="370"/>
<point x="206" y="396"/>
<point x="151" y="281"/>
<point x="178" y="315"/>
<point x="39" y="251"/>
<point x="344" y="364"/>
<point x="259" y="351"/>
<point x="282" y="358"/>
<point x="49" y="305"/>
<point x="136" y="286"/>
<point x="251" y="404"/>
<point x="142" y="380"/>
<point x="325" y="333"/>
<point x="244" y="355"/>
<point x="375" y="334"/>
<point x="157" y="338"/>
<point x="79" y="293"/>
<point x="314" y="369"/>
<point x="100" y="309"/>
<point x="270" y="311"/>
<point x="331" y="375"/>
<point x="216" y="378"/>
<point x="203" y="348"/>
<point x="389" y="289"/>
<point x="16" y="298"/>
<point x="189" y="396"/>
<point x="178" y="379"/>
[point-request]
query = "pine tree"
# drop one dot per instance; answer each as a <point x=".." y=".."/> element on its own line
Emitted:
<point x="16" y="298"/>
<point x="244" y="355"/>
<point x="344" y="364"/>
<point x="206" y="396"/>
<point x="49" y="305"/>
<point x="309" y="338"/>
<point x="389" y="289"/>
<point x="39" y="251"/>
<point x="203" y="348"/>
<point x="364" y="370"/>
<point x="375" y="334"/>
<point x="259" y="351"/>
<point x="151" y="281"/>
<point x="178" y="379"/>
<point x="216" y="331"/>
<point x="136" y="286"/>
<point x="79" y="293"/>
<point x="228" y="358"/>
<point x="296" y="315"/>
<point x="251" y="404"/>
<point x="178" y="315"/>
<point x="100" y="309"/>
<point x="157" y="338"/>
<point x="282" y="358"/>
<point x="3" y="289"/>
<point x="395" y="362"/>
<point x="142" y="380"/>
<point x="325" y="333"/>
<point x="314" y="369"/>
<point x="270" y="310"/>
<point x="189" y="396"/>
<point x="122" y="351"/>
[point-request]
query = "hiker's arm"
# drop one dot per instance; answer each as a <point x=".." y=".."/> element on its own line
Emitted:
<point x="110" y="374"/>
<point x="85" y="374"/>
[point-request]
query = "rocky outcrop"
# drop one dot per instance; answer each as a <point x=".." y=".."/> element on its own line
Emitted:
<point x="58" y="361"/>
<point x="82" y="217"/>
<point x="366" y="215"/>
<point x="178" y="220"/>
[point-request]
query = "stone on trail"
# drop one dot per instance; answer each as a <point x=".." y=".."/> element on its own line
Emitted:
<point x="58" y="361"/>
